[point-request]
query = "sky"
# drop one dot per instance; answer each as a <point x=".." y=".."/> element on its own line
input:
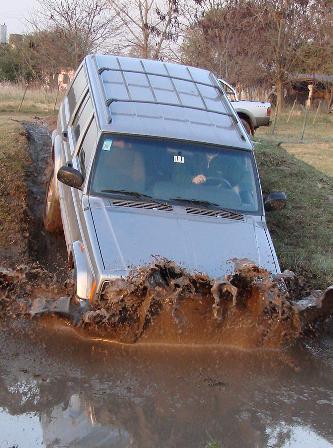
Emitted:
<point x="14" y="12"/>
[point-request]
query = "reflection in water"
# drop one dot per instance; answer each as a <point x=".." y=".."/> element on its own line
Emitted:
<point x="76" y="393"/>
<point x="20" y="430"/>
<point x="76" y="425"/>
<point x="297" y="437"/>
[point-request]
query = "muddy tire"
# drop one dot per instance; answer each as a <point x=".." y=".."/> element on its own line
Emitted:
<point x="52" y="214"/>
<point x="247" y="127"/>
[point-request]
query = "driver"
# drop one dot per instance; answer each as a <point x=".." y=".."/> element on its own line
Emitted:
<point x="210" y="166"/>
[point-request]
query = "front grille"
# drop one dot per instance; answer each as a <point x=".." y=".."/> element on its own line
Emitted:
<point x="142" y="205"/>
<point x="225" y="214"/>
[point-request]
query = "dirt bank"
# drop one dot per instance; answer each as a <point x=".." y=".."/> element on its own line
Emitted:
<point x="47" y="249"/>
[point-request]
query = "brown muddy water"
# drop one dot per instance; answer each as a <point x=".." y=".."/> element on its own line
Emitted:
<point x="165" y="360"/>
<point x="59" y="389"/>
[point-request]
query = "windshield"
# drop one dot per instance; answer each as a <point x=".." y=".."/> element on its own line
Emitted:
<point x="169" y="170"/>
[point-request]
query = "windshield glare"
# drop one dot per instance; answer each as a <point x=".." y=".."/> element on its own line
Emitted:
<point x="171" y="170"/>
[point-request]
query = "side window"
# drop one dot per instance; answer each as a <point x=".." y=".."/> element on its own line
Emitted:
<point x="76" y="90"/>
<point x="81" y="118"/>
<point x="88" y="147"/>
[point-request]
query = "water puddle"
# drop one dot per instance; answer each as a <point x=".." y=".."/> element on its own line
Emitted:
<point x="296" y="437"/>
<point x="20" y="430"/>
<point x="60" y="391"/>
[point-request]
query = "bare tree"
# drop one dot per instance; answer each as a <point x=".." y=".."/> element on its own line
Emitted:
<point x="148" y="25"/>
<point x="82" y="25"/>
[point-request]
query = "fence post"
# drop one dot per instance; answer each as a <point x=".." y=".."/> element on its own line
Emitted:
<point x="24" y="93"/>
<point x="304" y="124"/>
<point x="292" y="110"/>
<point x="317" y="111"/>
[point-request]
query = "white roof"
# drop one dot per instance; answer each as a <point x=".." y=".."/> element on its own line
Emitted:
<point x="154" y="98"/>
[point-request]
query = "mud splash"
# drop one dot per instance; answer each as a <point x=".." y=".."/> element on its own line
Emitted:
<point x="164" y="303"/>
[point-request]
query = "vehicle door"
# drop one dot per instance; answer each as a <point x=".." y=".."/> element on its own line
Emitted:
<point x="82" y="161"/>
<point x="79" y="123"/>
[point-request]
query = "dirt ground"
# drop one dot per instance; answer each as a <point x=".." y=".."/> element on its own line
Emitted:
<point x="61" y="386"/>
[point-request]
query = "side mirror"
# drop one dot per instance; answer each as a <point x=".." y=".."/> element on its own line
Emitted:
<point x="275" y="201"/>
<point x="70" y="176"/>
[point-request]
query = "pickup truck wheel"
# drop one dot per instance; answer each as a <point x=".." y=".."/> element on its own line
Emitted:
<point x="52" y="215"/>
<point x="247" y="127"/>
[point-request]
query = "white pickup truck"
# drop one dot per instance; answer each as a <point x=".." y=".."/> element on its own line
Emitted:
<point x="252" y="113"/>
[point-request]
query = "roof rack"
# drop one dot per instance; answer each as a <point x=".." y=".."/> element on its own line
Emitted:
<point x="119" y="100"/>
<point x="179" y="78"/>
<point x="216" y="86"/>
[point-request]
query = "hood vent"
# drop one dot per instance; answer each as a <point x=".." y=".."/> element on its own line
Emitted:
<point x="225" y="214"/>
<point x="142" y="205"/>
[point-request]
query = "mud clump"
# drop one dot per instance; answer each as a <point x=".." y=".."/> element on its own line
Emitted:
<point x="164" y="303"/>
<point x="21" y="288"/>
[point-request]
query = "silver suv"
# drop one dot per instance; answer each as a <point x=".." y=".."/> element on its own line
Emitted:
<point x="150" y="159"/>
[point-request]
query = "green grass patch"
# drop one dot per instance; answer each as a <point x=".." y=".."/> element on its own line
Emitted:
<point x="302" y="233"/>
<point x="213" y="445"/>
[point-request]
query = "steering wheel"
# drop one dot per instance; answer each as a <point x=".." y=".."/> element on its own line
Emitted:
<point x="218" y="181"/>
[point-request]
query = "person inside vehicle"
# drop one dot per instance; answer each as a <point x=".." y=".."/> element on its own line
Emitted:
<point x="209" y="167"/>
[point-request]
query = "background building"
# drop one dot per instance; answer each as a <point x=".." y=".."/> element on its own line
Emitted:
<point x="3" y="33"/>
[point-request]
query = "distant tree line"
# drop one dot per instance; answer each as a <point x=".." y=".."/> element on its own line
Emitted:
<point x="251" y="42"/>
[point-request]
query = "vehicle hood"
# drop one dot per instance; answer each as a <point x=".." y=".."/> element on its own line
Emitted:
<point x="130" y="237"/>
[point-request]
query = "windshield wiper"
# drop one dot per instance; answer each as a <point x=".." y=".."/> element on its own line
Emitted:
<point x="206" y="204"/>
<point x="134" y="194"/>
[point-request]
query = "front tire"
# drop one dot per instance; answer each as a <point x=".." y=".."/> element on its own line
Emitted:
<point x="52" y="214"/>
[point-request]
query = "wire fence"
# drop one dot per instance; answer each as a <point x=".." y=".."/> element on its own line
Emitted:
<point x="23" y="97"/>
<point x="299" y="124"/>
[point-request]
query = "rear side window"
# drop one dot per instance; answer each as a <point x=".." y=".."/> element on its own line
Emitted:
<point x="81" y="118"/>
<point x="76" y="90"/>
<point x="87" y="149"/>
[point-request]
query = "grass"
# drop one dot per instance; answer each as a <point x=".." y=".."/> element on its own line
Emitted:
<point x="317" y="145"/>
<point x="213" y="445"/>
<point x="302" y="233"/>
<point x="37" y="100"/>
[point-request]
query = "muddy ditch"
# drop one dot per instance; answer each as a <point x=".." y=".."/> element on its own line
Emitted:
<point x="161" y="302"/>
<point x="48" y="250"/>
